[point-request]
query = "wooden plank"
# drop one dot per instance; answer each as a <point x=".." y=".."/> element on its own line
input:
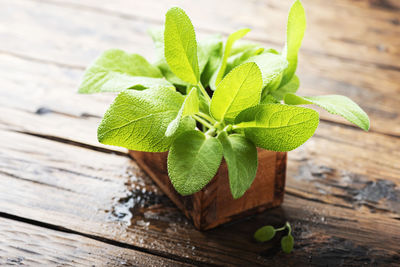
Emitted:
<point x="348" y="168"/>
<point x="41" y="98"/>
<point x="321" y="73"/>
<point x="40" y="87"/>
<point x="66" y="37"/>
<point x="360" y="147"/>
<point x="103" y="211"/>
<point x="345" y="181"/>
<point x="86" y="191"/>
<point x="26" y="244"/>
<point x="338" y="28"/>
<point x="81" y="131"/>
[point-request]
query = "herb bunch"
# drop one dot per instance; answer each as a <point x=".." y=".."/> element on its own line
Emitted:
<point x="208" y="100"/>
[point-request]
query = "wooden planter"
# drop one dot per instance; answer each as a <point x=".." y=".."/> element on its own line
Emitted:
<point x="214" y="204"/>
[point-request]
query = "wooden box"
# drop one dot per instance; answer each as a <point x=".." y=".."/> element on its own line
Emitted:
<point x="214" y="204"/>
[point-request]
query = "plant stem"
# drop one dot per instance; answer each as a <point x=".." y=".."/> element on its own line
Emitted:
<point x="289" y="228"/>
<point x="202" y="121"/>
<point x="227" y="128"/>
<point x="204" y="91"/>
<point x="287" y="225"/>
<point x="210" y="132"/>
<point x="281" y="229"/>
<point x="205" y="116"/>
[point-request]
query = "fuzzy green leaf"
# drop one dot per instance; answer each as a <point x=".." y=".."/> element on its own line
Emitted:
<point x="116" y="70"/>
<point x="296" y="25"/>
<point x="241" y="157"/>
<point x="268" y="99"/>
<point x="264" y="233"/>
<point x="189" y="107"/>
<point x="240" y="89"/>
<point x="241" y="57"/>
<point x="193" y="161"/>
<point x="241" y="46"/>
<point x="157" y="34"/>
<point x="210" y="52"/>
<point x="138" y="120"/>
<point x="335" y="104"/>
<point x="271" y="66"/>
<point x="278" y="127"/>
<point x="180" y="46"/>
<point x="291" y="87"/>
<point x="287" y="243"/>
<point x="209" y="49"/>
<point x="217" y="77"/>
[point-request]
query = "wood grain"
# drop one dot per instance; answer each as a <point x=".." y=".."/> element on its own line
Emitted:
<point x="103" y="182"/>
<point x="354" y="34"/>
<point x="27" y="244"/>
<point x="343" y="186"/>
<point x="329" y="62"/>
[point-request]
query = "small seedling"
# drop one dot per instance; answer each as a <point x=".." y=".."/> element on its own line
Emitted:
<point x="268" y="232"/>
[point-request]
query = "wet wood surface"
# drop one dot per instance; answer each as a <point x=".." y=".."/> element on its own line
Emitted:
<point x="67" y="200"/>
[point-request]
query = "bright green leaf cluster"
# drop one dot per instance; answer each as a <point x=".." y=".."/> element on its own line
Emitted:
<point x="210" y="99"/>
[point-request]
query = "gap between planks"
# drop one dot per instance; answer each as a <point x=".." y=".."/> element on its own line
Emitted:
<point x="376" y="112"/>
<point x="101" y="239"/>
<point x="38" y="112"/>
<point x="117" y="14"/>
<point x="291" y="204"/>
<point x="202" y="29"/>
<point x="58" y="64"/>
<point x="72" y="142"/>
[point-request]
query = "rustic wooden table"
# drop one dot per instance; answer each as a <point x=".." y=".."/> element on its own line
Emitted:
<point x="67" y="200"/>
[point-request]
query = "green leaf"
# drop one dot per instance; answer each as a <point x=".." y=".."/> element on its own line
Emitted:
<point x="240" y="89"/>
<point x="116" y="70"/>
<point x="272" y="51"/>
<point x="271" y="66"/>
<point x="265" y="233"/>
<point x="180" y="45"/>
<point x="210" y="49"/>
<point x="287" y="243"/>
<point x="278" y="127"/>
<point x="291" y="87"/>
<point x="217" y="77"/>
<point x="268" y="99"/>
<point x="157" y="34"/>
<point x="241" y="46"/>
<point x="189" y="107"/>
<point x="274" y="84"/>
<point x="204" y="105"/>
<point x="335" y="104"/>
<point x="241" y="157"/>
<point x="209" y="53"/>
<point x="138" y="120"/>
<point x="193" y="161"/>
<point x="296" y="25"/>
<point x="239" y="58"/>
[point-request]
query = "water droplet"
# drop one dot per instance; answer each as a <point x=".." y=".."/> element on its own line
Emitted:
<point x="143" y="223"/>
